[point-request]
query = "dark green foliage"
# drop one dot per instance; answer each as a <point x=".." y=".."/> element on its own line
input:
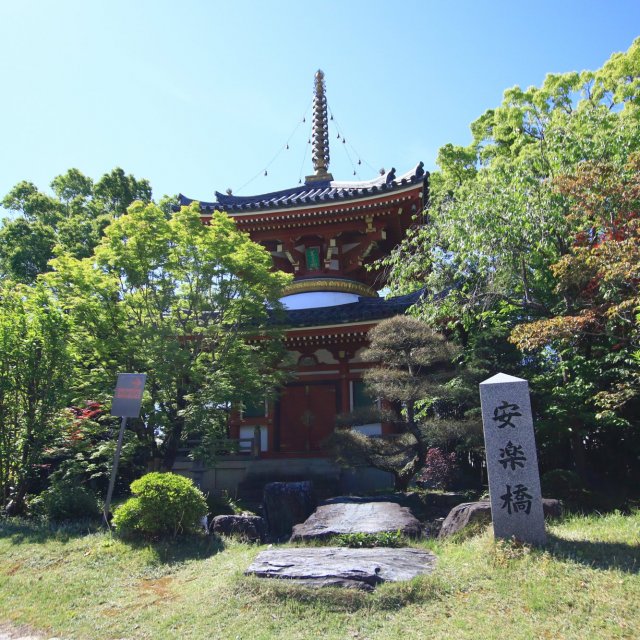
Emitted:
<point x="65" y="501"/>
<point x="415" y="377"/>
<point x="164" y="504"/>
<point x="116" y="191"/>
<point x="83" y="449"/>
<point x="25" y="248"/>
<point x="222" y="504"/>
<point x="561" y="484"/>
<point x="35" y="365"/>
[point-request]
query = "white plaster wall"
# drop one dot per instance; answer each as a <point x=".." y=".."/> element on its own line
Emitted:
<point x="316" y="299"/>
<point x="325" y="357"/>
<point x="374" y="429"/>
<point x="247" y="432"/>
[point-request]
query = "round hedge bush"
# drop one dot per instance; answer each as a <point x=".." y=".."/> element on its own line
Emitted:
<point x="163" y="504"/>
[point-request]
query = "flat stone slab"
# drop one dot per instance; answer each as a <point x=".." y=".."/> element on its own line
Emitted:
<point x="342" y="567"/>
<point x="347" y="515"/>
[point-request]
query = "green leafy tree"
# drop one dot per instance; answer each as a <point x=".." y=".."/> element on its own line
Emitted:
<point x="35" y="366"/>
<point x="495" y="223"/>
<point x="592" y="335"/>
<point x="184" y="302"/>
<point x="72" y="222"/>
<point x="499" y="249"/>
<point x="115" y="191"/>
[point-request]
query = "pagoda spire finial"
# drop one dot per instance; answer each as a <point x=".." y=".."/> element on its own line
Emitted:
<point x="320" y="139"/>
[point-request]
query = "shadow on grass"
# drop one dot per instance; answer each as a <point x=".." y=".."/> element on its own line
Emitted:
<point x="34" y="531"/>
<point x="387" y="597"/>
<point x="170" y="551"/>
<point x="165" y="550"/>
<point x="601" y="555"/>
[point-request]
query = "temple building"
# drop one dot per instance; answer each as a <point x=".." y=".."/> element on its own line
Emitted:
<point x="324" y="232"/>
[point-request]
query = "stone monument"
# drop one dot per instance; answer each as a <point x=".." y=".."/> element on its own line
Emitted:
<point x="512" y="462"/>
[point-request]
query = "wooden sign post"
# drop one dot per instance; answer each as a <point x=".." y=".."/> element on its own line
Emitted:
<point x="512" y="462"/>
<point x="127" y="400"/>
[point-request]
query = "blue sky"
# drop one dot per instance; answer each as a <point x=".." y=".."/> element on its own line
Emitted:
<point x="198" y="96"/>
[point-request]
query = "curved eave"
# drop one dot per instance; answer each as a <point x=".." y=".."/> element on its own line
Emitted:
<point x="313" y="195"/>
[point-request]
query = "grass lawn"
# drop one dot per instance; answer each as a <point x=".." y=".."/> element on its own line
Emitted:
<point x="81" y="584"/>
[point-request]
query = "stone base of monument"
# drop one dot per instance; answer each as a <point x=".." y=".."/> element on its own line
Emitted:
<point x="340" y="567"/>
<point x="356" y="515"/>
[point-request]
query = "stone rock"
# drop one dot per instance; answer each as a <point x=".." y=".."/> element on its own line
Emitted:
<point x="286" y="504"/>
<point x="464" y="515"/>
<point x="479" y="513"/>
<point x="552" y="508"/>
<point x="247" y="527"/>
<point x="337" y="566"/>
<point x="357" y="515"/>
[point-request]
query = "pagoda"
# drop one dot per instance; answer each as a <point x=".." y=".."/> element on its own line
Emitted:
<point x="324" y="232"/>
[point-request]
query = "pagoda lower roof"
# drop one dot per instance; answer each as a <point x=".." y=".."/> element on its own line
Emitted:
<point x="312" y="192"/>
<point x="364" y="310"/>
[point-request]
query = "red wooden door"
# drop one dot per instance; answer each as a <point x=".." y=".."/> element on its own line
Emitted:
<point x="307" y="416"/>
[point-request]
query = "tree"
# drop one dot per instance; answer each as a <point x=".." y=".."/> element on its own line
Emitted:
<point x="184" y="302"/>
<point x="25" y="248"/>
<point x="115" y="191"/>
<point x="494" y="222"/>
<point x="34" y="369"/>
<point x="415" y="363"/>
<point x="499" y="249"/>
<point x="72" y="222"/>
<point x="592" y="335"/>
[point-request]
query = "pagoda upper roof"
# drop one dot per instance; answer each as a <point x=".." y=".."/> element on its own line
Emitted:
<point x="312" y="192"/>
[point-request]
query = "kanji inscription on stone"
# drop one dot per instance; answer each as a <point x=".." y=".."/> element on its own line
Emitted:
<point x="512" y="462"/>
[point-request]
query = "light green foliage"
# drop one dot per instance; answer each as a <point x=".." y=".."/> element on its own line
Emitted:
<point x="163" y="504"/>
<point x="370" y="540"/>
<point x="34" y="370"/>
<point x="186" y="303"/>
<point x="495" y="223"/>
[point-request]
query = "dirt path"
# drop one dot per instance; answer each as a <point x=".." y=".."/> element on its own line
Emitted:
<point x="21" y="632"/>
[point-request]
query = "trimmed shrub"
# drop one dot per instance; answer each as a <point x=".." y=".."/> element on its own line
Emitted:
<point x="66" y="502"/>
<point x="163" y="504"/>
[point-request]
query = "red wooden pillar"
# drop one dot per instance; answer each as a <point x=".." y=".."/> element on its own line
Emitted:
<point x="345" y="389"/>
